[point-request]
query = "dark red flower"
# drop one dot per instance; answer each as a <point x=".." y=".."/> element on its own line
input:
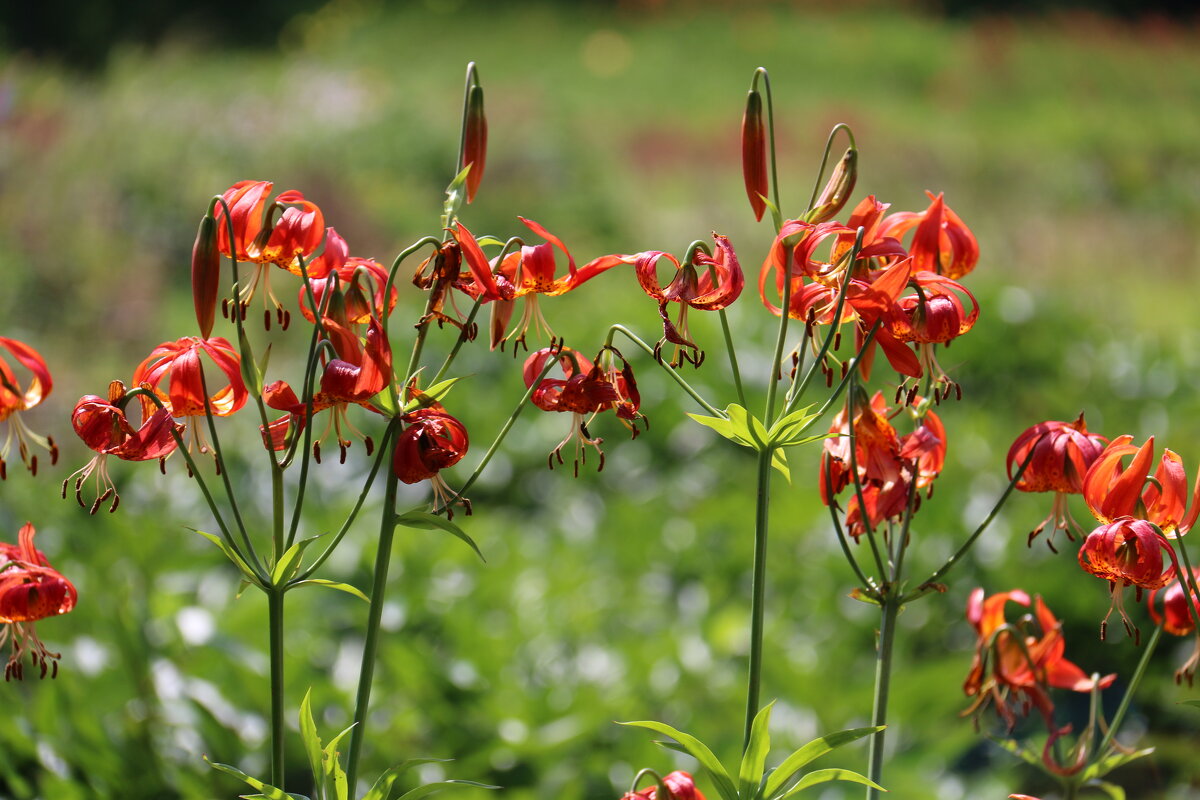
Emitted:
<point x="15" y="398"/>
<point x="1127" y="552"/>
<point x="30" y="590"/>
<point x="680" y="786"/>
<point x="1177" y="619"/>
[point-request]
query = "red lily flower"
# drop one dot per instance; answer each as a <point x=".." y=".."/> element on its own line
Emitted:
<point x="1112" y="492"/>
<point x="887" y="463"/>
<point x="942" y="243"/>
<point x="258" y="238"/>
<point x="586" y="389"/>
<point x="933" y="314"/>
<point x="1177" y="619"/>
<point x="1060" y="454"/>
<point x="14" y="399"/>
<point x="434" y="440"/>
<point x="361" y="280"/>
<point x="680" y="786"/>
<point x="30" y="590"/>
<point x="531" y="272"/>
<point x="1014" y="669"/>
<point x="1127" y="552"/>
<point x="356" y="376"/>
<point x="103" y="426"/>
<point x="690" y="290"/>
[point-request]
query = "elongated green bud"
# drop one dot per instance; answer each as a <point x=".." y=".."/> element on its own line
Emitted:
<point x="206" y="274"/>
<point x="474" y="140"/>
<point x="754" y="153"/>
<point x="837" y="191"/>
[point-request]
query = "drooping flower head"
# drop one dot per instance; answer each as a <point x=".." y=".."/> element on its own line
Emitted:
<point x="30" y="590"/>
<point x="1127" y="552"/>
<point x="1059" y="456"/>
<point x="17" y="396"/>
<point x="362" y="282"/>
<point x="586" y="389"/>
<point x="1014" y="667"/>
<point x="178" y="365"/>
<point x="706" y="283"/>
<point x="887" y="464"/>
<point x="1177" y="618"/>
<point x="1113" y="491"/>
<point x="103" y="426"/>
<point x="680" y="786"/>
<point x="432" y="440"/>
<point x="934" y="312"/>
<point x="942" y="243"/>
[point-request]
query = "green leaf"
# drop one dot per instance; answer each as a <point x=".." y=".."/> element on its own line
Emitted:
<point x="268" y="797"/>
<point x="1018" y="750"/>
<point x="289" y="562"/>
<point x="341" y="587"/>
<point x="789" y="425"/>
<point x="697" y="750"/>
<point x="268" y="791"/>
<point x="754" y="759"/>
<point x="383" y="786"/>
<point x="332" y="767"/>
<point x="488" y="239"/>
<point x="723" y="427"/>
<point x="779" y="462"/>
<point x="1195" y="703"/>
<point x="430" y="788"/>
<point x="431" y="395"/>
<point x="232" y="555"/>
<point x="1110" y="789"/>
<point x="747" y="426"/>
<point x="454" y="197"/>
<point x="826" y="775"/>
<point x="423" y="520"/>
<point x="1107" y="765"/>
<point x="810" y="752"/>
<point x="312" y="745"/>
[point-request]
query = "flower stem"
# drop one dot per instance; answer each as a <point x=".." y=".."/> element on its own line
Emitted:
<point x="383" y="557"/>
<point x="883" y="672"/>
<point x="275" y="622"/>
<point x="1119" y="717"/>
<point x="758" y="589"/>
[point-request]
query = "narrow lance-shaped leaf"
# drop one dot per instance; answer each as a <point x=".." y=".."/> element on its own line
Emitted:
<point x="810" y="752"/>
<point x="425" y="521"/>
<point x="826" y="775"/>
<point x="697" y="750"/>
<point x="754" y="758"/>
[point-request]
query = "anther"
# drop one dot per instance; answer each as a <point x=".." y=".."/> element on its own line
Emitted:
<point x="266" y="319"/>
<point x="53" y="450"/>
<point x="225" y="307"/>
<point x="341" y="452"/>
<point x="317" y="452"/>
<point x="33" y="466"/>
<point x="370" y="445"/>
<point x="837" y="340"/>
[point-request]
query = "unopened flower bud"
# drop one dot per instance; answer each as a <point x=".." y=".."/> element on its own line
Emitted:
<point x="206" y="274"/>
<point x="754" y="153"/>
<point x="474" y="140"/>
<point x="837" y="190"/>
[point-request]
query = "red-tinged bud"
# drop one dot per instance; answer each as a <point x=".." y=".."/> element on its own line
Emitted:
<point x="474" y="140"/>
<point x="754" y="153"/>
<point x="837" y="191"/>
<point x="206" y="274"/>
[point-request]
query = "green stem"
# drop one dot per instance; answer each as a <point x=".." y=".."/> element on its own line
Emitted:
<point x="275" y="621"/>
<point x="761" y="72"/>
<point x="883" y="673"/>
<point x="383" y="557"/>
<point x="733" y="362"/>
<point x="1119" y="717"/>
<point x="758" y="589"/>
<point x="780" y="339"/>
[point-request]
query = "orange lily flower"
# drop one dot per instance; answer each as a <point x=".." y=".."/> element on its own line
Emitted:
<point x="432" y="441"/>
<point x="942" y="243"/>
<point x="1127" y="552"/>
<point x="586" y="389"/>
<point x="14" y="399"/>
<point x="1177" y="619"/>
<point x="30" y="590"/>
<point x="1060" y="454"/>
<point x="1012" y="668"/>
<point x="1112" y="492"/>
<point x="691" y="290"/>
<point x="103" y="426"/>
<point x="361" y="280"/>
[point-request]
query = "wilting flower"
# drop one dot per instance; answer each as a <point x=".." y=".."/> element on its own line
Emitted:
<point x="1127" y="552"/>
<point x="942" y="243"/>
<point x="718" y="283"/>
<point x="432" y="440"/>
<point x="531" y="272"/>
<point x="586" y="389"/>
<point x="30" y="590"/>
<point x="1013" y="669"/>
<point x="354" y="377"/>
<point x="178" y="364"/>
<point x="887" y="464"/>
<point x="1176" y="617"/>
<point x="259" y="238"/>
<point x="680" y="786"/>
<point x="14" y="399"/>
<point x="1059" y="456"/>
<point x="443" y="271"/>
<point x="1112" y="492"/>
<point x="104" y="427"/>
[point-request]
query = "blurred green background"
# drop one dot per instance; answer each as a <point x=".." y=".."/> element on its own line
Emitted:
<point x="1068" y="142"/>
